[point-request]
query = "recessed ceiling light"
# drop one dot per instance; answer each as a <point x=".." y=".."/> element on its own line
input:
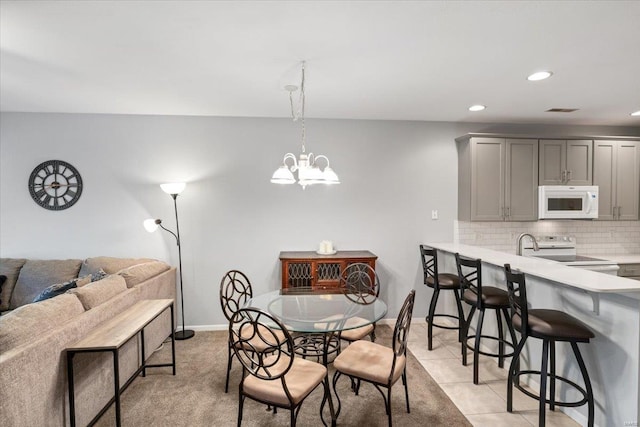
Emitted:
<point x="540" y="75"/>
<point x="636" y="113"/>
<point x="477" y="107"/>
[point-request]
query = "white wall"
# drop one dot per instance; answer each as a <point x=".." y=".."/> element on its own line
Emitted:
<point x="393" y="174"/>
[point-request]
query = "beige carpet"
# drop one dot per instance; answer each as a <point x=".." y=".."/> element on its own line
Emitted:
<point x="195" y="396"/>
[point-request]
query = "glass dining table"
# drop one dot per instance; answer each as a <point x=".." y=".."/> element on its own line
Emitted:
<point x="309" y="315"/>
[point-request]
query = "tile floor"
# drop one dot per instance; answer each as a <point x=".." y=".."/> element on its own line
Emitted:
<point x="483" y="404"/>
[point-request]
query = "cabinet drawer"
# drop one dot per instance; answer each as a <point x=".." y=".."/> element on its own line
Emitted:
<point x="629" y="270"/>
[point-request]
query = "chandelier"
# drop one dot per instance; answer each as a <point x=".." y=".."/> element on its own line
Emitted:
<point x="306" y="165"/>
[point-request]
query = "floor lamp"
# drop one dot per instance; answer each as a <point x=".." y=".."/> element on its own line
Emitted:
<point x="173" y="189"/>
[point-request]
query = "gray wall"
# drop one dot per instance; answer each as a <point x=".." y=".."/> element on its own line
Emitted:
<point x="393" y="174"/>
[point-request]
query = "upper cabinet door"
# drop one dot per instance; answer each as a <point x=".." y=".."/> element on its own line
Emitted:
<point x="628" y="180"/>
<point x="521" y="180"/>
<point x="552" y="161"/>
<point x="487" y="179"/>
<point x="566" y="162"/>
<point x="579" y="162"/>
<point x="616" y="171"/>
<point x="604" y="167"/>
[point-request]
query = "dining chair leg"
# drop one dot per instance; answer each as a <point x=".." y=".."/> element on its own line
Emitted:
<point x="229" y="355"/>
<point x="476" y="347"/>
<point x="500" y="341"/>
<point x="513" y="370"/>
<point x="240" y="405"/>
<point x="388" y="403"/>
<point x="543" y="383"/>
<point x="430" y="316"/>
<point x="465" y="338"/>
<point x="406" y="389"/>
<point x="293" y="417"/>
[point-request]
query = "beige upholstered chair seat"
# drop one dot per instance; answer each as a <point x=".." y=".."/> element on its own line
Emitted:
<point x="356" y="333"/>
<point x="301" y="379"/>
<point x="369" y="361"/>
<point x="256" y="343"/>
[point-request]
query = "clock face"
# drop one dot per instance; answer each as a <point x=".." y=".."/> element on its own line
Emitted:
<point x="55" y="185"/>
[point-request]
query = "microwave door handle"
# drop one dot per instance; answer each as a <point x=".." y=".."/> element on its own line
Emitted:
<point x="591" y="201"/>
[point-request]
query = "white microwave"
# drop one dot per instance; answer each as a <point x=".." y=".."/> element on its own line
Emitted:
<point x="567" y="202"/>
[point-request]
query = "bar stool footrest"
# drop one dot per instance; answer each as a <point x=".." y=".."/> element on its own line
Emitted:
<point x="488" y="337"/>
<point x="451" y="316"/>
<point x="517" y="385"/>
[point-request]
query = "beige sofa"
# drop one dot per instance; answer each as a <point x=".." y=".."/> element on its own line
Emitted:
<point x="33" y="337"/>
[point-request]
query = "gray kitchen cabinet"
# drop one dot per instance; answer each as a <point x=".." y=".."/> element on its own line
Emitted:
<point x="497" y="179"/>
<point x="566" y="162"/>
<point x="616" y="171"/>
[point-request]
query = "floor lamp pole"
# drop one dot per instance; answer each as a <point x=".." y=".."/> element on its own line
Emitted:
<point x="183" y="334"/>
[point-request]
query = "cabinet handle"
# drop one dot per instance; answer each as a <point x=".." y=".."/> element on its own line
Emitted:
<point x="619" y="211"/>
<point x="508" y="212"/>
<point x="568" y="176"/>
<point x="563" y="176"/>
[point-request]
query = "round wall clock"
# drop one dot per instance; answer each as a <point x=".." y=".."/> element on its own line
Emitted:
<point x="55" y="185"/>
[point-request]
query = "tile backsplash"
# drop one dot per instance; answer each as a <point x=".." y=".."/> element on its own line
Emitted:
<point x="592" y="237"/>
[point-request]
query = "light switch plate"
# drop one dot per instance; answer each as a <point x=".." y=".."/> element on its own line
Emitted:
<point x="434" y="214"/>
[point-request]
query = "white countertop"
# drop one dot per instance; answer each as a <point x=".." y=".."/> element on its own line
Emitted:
<point x="546" y="269"/>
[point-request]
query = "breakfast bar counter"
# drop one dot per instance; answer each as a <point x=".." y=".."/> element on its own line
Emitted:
<point x="608" y="304"/>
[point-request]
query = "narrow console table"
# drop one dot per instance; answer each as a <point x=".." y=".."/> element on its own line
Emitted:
<point x="110" y="337"/>
<point x="319" y="272"/>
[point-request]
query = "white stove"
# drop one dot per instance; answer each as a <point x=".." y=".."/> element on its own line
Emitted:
<point x="563" y="249"/>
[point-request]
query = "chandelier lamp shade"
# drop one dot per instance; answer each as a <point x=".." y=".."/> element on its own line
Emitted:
<point x="307" y="166"/>
<point x="151" y="225"/>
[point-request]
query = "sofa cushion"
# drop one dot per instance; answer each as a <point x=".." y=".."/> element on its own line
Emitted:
<point x="31" y="321"/>
<point x="55" y="290"/>
<point x="137" y="274"/>
<point x="38" y="274"/>
<point x="9" y="267"/>
<point x="96" y="293"/>
<point x="110" y="265"/>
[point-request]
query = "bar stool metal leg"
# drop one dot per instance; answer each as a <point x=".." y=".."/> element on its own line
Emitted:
<point x="476" y="351"/>
<point x="432" y="312"/>
<point x="465" y="335"/>
<point x="514" y="368"/>
<point x="587" y="383"/>
<point x="501" y="340"/>
<point x="552" y="385"/>
<point x="543" y="383"/>
<point x="460" y="314"/>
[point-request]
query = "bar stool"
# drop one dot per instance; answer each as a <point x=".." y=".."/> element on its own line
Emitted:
<point x="549" y="326"/>
<point x="439" y="281"/>
<point x="482" y="297"/>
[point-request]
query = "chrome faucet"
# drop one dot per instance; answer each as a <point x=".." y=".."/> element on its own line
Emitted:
<point x="519" y="243"/>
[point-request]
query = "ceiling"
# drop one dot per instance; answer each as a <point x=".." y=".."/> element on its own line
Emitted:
<point x="365" y="59"/>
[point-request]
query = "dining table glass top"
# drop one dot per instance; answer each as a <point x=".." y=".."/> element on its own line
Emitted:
<point x="319" y="312"/>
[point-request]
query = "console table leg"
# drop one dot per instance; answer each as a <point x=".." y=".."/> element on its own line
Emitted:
<point x="144" y="357"/>
<point x="116" y="381"/>
<point x="72" y="406"/>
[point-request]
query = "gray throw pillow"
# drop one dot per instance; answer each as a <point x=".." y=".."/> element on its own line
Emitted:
<point x="55" y="290"/>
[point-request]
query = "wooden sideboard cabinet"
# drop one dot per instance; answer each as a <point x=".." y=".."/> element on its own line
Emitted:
<point x="320" y="272"/>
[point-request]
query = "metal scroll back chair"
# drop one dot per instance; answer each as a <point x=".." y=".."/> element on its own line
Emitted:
<point x="480" y="298"/>
<point x="550" y="326"/>
<point x="271" y="372"/>
<point x="376" y="364"/>
<point x="235" y="291"/>
<point x="361" y="284"/>
<point x="439" y="282"/>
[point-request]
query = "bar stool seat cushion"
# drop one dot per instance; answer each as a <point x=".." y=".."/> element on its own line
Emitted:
<point x="301" y="379"/>
<point x="446" y="281"/>
<point x="369" y="361"/>
<point x="491" y="296"/>
<point x="555" y="324"/>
